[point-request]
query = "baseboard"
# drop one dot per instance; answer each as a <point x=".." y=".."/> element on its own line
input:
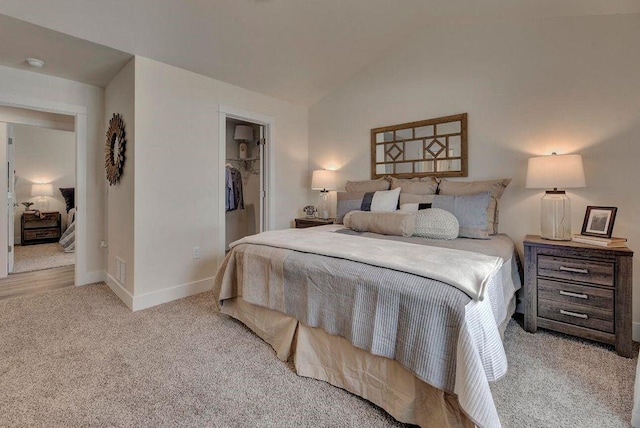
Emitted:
<point x="119" y="290"/>
<point x="635" y="332"/>
<point x="93" y="277"/>
<point x="154" y="298"/>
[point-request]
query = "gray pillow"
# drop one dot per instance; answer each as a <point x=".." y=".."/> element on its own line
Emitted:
<point x="471" y="212"/>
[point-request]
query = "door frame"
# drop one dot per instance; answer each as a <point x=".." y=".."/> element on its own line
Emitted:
<point x="267" y="170"/>
<point x="79" y="112"/>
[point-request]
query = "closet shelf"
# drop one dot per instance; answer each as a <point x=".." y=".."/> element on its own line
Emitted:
<point x="248" y="164"/>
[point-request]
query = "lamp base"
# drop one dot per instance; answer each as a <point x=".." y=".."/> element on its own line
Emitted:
<point x="555" y="216"/>
<point x="323" y="205"/>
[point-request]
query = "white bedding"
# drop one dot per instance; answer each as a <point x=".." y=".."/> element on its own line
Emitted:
<point x="429" y="262"/>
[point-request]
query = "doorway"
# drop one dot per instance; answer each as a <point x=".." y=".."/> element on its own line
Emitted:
<point x="245" y="153"/>
<point x="79" y="115"/>
<point x="42" y="174"/>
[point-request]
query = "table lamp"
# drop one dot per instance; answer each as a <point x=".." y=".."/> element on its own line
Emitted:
<point x="553" y="172"/>
<point x="42" y="190"/>
<point x="323" y="180"/>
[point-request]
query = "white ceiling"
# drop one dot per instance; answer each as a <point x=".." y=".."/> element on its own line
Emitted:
<point x="297" y="50"/>
<point x="65" y="56"/>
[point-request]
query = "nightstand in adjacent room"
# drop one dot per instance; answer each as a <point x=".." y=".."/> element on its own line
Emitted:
<point x="579" y="289"/>
<point x="37" y="230"/>
<point x="302" y="223"/>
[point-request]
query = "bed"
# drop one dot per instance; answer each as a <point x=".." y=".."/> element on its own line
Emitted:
<point x="68" y="238"/>
<point x="350" y="310"/>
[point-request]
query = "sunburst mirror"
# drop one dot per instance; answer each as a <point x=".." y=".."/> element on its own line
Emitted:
<point x="114" y="149"/>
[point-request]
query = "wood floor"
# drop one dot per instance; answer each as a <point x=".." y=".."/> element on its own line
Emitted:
<point x="20" y="284"/>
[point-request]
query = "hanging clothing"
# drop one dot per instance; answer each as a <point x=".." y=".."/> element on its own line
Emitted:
<point x="234" y="197"/>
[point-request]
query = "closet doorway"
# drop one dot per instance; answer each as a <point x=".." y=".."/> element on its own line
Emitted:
<point x="245" y="159"/>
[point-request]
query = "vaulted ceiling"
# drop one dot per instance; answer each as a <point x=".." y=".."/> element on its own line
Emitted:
<point x="297" y="50"/>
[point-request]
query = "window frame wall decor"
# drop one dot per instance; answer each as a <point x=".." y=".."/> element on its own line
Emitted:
<point x="433" y="142"/>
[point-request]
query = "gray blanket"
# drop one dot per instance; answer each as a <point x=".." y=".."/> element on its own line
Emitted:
<point x="413" y="320"/>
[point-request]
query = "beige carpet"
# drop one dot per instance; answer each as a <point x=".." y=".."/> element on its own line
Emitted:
<point x="28" y="258"/>
<point x="79" y="357"/>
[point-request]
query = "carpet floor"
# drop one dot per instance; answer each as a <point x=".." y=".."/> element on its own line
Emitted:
<point x="28" y="258"/>
<point x="79" y="357"/>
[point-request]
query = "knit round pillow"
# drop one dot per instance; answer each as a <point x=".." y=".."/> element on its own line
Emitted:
<point x="436" y="223"/>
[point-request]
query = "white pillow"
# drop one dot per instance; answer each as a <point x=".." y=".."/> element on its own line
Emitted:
<point x="385" y="200"/>
<point x="409" y="207"/>
<point x="437" y="224"/>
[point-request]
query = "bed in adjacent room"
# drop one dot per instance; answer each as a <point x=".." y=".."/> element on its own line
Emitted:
<point x="68" y="237"/>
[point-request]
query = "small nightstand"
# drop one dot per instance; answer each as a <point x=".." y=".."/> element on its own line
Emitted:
<point x="579" y="289"/>
<point x="302" y="223"/>
<point x="37" y="230"/>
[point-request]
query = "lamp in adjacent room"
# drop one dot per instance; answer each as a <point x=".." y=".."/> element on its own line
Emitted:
<point x="554" y="172"/>
<point x="243" y="133"/>
<point x="42" y="190"/>
<point x="323" y="180"/>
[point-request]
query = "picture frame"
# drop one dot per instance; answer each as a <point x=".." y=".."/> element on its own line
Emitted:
<point x="598" y="221"/>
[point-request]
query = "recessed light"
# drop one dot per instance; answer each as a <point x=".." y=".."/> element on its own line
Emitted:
<point x="35" y="62"/>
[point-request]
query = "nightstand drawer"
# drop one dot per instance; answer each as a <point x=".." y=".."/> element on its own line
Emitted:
<point x="575" y="294"/>
<point x="41" y="234"/>
<point x="590" y="271"/>
<point x="584" y="316"/>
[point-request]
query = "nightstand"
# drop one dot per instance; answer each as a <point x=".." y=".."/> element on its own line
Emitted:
<point x="579" y="289"/>
<point x="302" y="223"/>
<point x="37" y="230"/>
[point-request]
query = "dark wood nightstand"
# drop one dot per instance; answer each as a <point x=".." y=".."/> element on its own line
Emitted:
<point x="35" y="230"/>
<point x="579" y="289"/>
<point x="302" y="223"/>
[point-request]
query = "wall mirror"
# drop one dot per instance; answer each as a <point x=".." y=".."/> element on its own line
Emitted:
<point x="433" y="147"/>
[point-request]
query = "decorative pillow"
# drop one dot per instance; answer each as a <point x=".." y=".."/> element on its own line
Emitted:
<point x="436" y="224"/>
<point x="471" y="212"/>
<point x="384" y="223"/>
<point x="68" y="193"/>
<point x="414" y="207"/>
<point x="366" y="186"/>
<point x="417" y="186"/>
<point x="410" y="198"/>
<point x="385" y="200"/>
<point x="495" y="187"/>
<point x="347" y="202"/>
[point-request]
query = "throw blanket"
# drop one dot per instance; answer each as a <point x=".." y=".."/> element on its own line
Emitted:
<point x="68" y="239"/>
<point x="424" y="261"/>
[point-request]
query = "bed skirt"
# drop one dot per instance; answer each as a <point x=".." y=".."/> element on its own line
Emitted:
<point x="319" y="355"/>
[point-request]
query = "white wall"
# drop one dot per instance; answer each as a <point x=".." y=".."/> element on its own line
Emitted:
<point x="176" y="175"/>
<point x="43" y="156"/>
<point x="40" y="119"/>
<point x="568" y="85"/>
<point x="55" y="90"/>
<point x="120" y="98"/>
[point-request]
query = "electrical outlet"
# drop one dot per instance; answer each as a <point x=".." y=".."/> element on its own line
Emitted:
<point x="103" y="244"/>
<point x="196" y="252"/>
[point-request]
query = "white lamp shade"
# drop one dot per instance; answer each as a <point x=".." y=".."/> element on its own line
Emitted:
<point x="42" y="190"/>
<point x="555" y="171"/>
<point x="243" y="133"/>
<point x="323" y="179"/>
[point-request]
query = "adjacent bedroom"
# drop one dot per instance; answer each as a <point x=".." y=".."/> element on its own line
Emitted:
<point x="44" y="185"/>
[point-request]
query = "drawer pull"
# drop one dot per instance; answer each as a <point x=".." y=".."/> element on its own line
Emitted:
<point x="570" y="294"/>
<point x="574" y="270"/>
<point x="574" y="314"/>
